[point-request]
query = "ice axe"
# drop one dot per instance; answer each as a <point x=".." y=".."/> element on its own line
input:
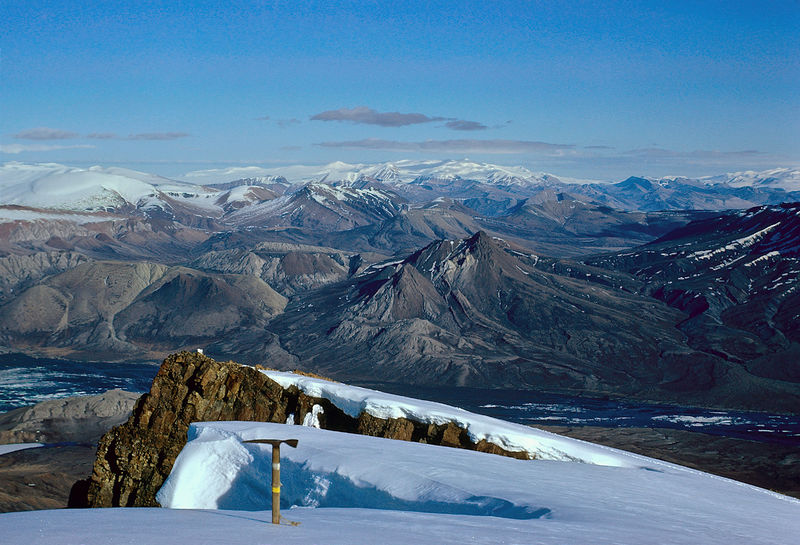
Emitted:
<point x="276" y="472"/>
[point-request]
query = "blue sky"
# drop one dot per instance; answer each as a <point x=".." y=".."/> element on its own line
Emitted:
<point x="585" y="89"/>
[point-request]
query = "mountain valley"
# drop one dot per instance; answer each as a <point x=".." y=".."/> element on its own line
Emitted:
<point x="445" y="273"/>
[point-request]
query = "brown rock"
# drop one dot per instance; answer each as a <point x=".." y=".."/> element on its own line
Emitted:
<point x="134" y="459"/>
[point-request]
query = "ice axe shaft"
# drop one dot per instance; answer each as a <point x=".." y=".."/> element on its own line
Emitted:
<point x="276" y="472"/>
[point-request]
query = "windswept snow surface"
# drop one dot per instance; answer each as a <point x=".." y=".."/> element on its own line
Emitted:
<point x="365" y="485"/>
<point x="353" y="489"/>
<point x="514" y="437"/>
<point x="57" y="186"/>
<point x="9" y="214"/>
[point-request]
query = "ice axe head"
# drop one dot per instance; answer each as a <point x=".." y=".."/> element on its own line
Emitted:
<point x="275" y="442"/>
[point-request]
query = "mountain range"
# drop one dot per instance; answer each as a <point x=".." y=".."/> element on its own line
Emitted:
<point x="436" y="273"/>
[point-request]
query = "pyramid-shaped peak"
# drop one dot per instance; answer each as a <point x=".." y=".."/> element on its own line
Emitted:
<point x="480" y="241"/>
<point x="478" y="248"/>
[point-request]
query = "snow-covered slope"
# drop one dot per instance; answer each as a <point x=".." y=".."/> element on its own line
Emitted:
<point x="513" y="437"/>
<point x="56" y="186"/>
<point x="504" y="500"/>
<point x="346" y="489"/>
<point x="776" y="178"/>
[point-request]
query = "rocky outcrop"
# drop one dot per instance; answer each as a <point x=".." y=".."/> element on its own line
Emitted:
<point x="288" y="268"/>
<point x="81" y="419"/>
<point x="134" y="459"/>
<point x="448" y="435"/>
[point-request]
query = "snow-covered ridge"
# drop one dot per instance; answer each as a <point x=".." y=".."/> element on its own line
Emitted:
<point x="459" y="496"/>
<point x="354" y="400"/>
<point x="777" y="178"/>
<point x="394" y="173"/>
<point x="345" y="488"/>
<point x="780" y="178"/>
<point x="408" y="171"/>
<point x="214" y="193"/>
<point x="59" y="187"/>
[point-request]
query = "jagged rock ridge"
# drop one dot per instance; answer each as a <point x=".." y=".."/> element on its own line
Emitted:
<point x="134" y="459"/>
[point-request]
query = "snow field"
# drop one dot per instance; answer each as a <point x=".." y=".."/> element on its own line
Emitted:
<point x="365" y="486"/>
<point x="348" y="489"/>
<point x="509" y="436"/>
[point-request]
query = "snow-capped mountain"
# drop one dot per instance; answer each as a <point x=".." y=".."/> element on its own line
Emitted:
<point x="777" y="178"/>
<point x="489" y="188"/>
<point x="386" y="202"/>
<point x="394" y="173"/>
<point x="321" y="206"/>
<point x="53" y="186"/>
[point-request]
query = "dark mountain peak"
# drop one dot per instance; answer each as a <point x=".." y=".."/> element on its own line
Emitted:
<point x="478" y="259"/>
<point x="480" y="238"/>
<point x="635" y="183"/>
<point x="443" y="250"/>
<point x="736" y="275"/>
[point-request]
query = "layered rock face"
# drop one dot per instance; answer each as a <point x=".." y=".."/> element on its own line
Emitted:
<point x="134" y="459"/>
<point x="104" y="309"/>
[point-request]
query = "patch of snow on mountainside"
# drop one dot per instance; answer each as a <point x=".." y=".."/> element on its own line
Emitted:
<point x="738" y="244"/>
<point x="14" y="447"/>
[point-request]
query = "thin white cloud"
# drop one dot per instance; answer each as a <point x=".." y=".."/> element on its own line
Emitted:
<point x="21" y="148"/>
<point x="694" y="155"/>
<point x="45" y="133"/>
